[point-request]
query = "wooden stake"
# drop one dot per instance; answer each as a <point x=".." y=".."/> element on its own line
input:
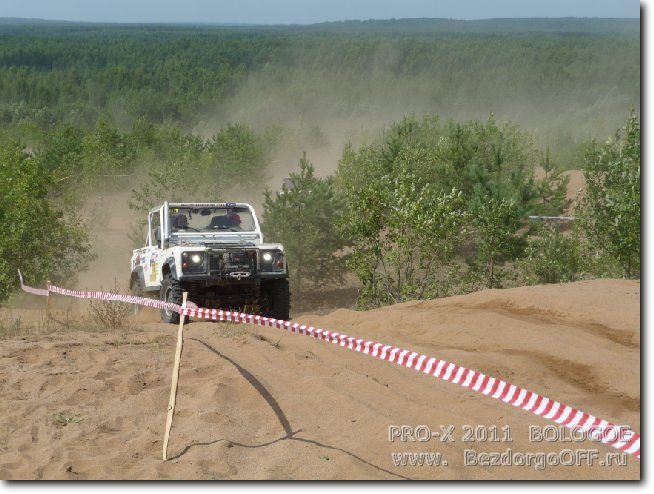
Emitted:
<point x="173" y="387"/>
<point x="47" y="307"/>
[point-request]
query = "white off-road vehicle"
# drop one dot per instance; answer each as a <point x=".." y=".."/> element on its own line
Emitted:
<point x="216" y="253"/>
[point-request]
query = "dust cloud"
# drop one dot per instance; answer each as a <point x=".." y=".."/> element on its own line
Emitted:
<point x="111" y="244"/>
<point x="324" y="104"/>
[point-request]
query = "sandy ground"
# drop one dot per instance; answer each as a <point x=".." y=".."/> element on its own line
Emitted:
<point x="266" y="404"/>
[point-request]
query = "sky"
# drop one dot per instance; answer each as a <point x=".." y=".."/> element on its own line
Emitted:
<point x="306" y="11"/>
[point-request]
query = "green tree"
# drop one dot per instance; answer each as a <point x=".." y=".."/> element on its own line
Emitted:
<point x="491" y="165"/>
<point x="551" y="188"/>
<point x="482" y="158"/>
<point x="302" y="216"/>
<point x="237" y="156"/>
<point x="358" y="168"/>
<point x="105" y="151"/>
<point x="554" y="257"/>
<point x="62" y="154"/>
<point x="404" y="234"/>
<point x="35" y="237"/>
<point x="172" y="181"/>
<point x="610" y="209"/>
<point x="496" y="222"/>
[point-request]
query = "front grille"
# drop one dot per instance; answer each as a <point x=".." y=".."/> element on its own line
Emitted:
<point x="224" y="262"/>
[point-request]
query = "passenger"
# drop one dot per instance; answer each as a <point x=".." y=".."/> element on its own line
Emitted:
<point x="234" y="221"/>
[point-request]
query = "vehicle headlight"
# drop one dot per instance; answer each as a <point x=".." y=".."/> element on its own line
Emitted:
<point x="193" y="262"/>
<point x="272" y="260"/>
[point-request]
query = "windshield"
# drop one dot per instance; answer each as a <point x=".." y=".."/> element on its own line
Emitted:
<point x="210" y="220"/>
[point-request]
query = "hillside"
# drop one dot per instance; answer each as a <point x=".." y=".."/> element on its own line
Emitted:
<point x="265" y="404"/>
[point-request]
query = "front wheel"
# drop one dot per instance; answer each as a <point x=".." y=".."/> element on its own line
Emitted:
<point x="277" y="298"/>
<point x="171" y="291"/>
<point x="136" y="290"/>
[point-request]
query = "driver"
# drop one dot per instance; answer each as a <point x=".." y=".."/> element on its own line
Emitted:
<point x="180" y="223"/>
<point x="234" y="221"/>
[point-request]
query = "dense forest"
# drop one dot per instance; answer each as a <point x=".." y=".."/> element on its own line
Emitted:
<point x="450" y="117"/>
<point x="564" y="80"/>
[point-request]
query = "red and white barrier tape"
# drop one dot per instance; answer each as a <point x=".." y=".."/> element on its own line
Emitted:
<point x="116" y="297"/>
<point x="597" y="429"/>
<point x="29" y="289"/>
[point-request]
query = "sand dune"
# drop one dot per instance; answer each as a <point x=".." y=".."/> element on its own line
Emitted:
<point x="266" y="404"/>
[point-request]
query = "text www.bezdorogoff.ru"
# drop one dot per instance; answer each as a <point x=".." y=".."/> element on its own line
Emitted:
<point x="429" y="459"/>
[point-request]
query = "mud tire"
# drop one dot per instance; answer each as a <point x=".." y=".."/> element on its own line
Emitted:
<point x="171" y="291"/>
<point x="276" y="294"/>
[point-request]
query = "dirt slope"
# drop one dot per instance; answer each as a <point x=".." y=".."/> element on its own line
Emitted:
<point x="265" y="404"/>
